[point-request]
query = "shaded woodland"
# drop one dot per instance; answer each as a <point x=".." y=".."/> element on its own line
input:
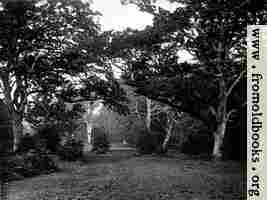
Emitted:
<point x="68" y="88"/>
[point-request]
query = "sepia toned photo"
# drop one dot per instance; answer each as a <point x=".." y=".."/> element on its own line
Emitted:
<point x="132" y="99"/>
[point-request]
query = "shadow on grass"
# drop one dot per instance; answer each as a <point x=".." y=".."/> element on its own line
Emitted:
<point x="109" y="157"/>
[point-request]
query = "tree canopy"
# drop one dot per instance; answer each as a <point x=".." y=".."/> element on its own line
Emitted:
<point x="53" y="48"/>
<point x="213" y="32"/>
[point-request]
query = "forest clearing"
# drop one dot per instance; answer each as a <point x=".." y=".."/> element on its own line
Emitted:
<point x="125" y="99"/>
<point x="124" y="176"/>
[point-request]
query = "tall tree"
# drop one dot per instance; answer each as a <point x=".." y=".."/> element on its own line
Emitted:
<point x="52" y="47"/>
<point x="214" y="33"/>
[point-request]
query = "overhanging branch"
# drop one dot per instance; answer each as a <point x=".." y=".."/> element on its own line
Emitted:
<point x="229" y="91"/>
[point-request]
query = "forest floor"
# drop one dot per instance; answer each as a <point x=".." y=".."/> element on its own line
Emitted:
<point x="121" y="175"/>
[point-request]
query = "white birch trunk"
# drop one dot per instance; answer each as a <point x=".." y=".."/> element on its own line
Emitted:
<point x="148" y="115"/>
<point x="218" y="140"/>
<point x="17" y="128"/>
<point x="167" y="137"/>
<point x="220" y="129"/>
<point x="89" y="125"/>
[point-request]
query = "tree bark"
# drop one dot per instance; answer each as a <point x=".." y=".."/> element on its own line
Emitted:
<point x="88" y="118"/>
<point x="167" y="137"/>
<point x="219" y="132"/>
<point x="17" y="128"/>
<point x="89" y="125"/>
<point x="89" y="132"/>
<point x="148" y="114"/>
<point x="222" y="118"/>
<point x="218" y="140"/>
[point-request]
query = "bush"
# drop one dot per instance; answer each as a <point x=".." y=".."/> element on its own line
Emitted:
<point x="30" y="164"/>
<point x="71" y="150"/>
<point x="149" y="142"/>
<point x="100" y="141"/>
<point x="198" y="143"/>
<point x="51" y="135"/>
<point x="31" y="142"/>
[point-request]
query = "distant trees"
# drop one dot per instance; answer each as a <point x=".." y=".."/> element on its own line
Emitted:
<point x="164" y="116"/>
<point x="53" y="48"/>
<point x="214" y="33"/>
<point x="54" y="51"/>
<point x="152" y="112"/>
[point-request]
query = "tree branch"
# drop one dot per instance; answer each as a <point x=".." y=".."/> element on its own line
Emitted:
<point x="230" y="113"/>
<point x="235" y="83"/>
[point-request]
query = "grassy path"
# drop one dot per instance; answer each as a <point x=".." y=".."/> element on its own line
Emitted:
<point x="122" y="176"/>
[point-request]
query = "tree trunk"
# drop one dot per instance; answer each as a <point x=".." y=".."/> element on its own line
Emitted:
<point x="167" y="137"/>
<point x="219" y="133"/>
<point x="218" y="140"/>
<point x="148" y="115"/>
<point x="17" y="128"/>
<point x="89" y="128"/>
<point x="221" y="113"/>
<point x="89" y="107"/>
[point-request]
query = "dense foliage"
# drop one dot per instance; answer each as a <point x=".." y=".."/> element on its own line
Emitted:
<point x="28" y="164"/>
<point x="71" y="150"/>
<point x="51" y="136"/>
<point x="32" y="142"/>
<point x="198" y="143"/>
<point x="149" y="142"/>
<point x="214" y="34"/>
<point x="53" y="49"/>
<point x="53" y="53"/>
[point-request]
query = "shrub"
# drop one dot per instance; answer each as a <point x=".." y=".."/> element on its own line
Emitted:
<point x="71" y="150"/>
<point x="100" y="141"/>
<point x="198" y="143"/>
<point x="149" y="142"/>
<point x="30" y="164"/>
<point x="51" y="135"/>
<point x="31" y="142"/>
